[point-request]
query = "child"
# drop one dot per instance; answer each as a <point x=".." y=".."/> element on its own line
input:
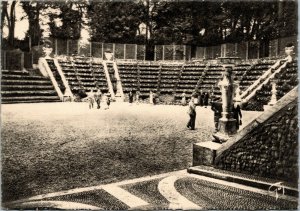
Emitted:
<point x="90" y="98"/>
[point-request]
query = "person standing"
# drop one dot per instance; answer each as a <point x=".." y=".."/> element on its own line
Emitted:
<point x="130" y="95"/>
<point x="151" y="97"/>
<point x="216" y="106"/>
<point x="97" y="97"/>
<point x="183" y="100"/>
<point x="90" y="98"/>
<point x="192" y="114"/>
<point x="137" y="97"/>
<point x="106" y="101"/>
<point x="155" y="98"/>
<point x="201" y="99"/>
<point x="237" y="114"/>
<point x="206" y="96"/>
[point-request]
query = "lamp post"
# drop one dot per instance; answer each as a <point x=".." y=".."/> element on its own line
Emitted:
<point x="227" y="124"/>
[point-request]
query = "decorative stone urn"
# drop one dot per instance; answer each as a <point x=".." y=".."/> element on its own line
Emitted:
<point x="273" y="100"/>
<point x="109" y="55"/>
<point x="47" y="51"/>
<point x="289" y="52"/>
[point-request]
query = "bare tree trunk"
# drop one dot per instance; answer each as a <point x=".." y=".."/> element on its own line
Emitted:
<point x="11" y="30"/>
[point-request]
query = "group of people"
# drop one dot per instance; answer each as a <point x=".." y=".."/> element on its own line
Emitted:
<point x="152" y="97"/>
<point x="131" y="97"/>
<point x="202" y="99"/>
<point x="97" y="96"/>
<point x="216" y="106"/>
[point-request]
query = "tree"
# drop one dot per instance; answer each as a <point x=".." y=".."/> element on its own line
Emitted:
<point x="10" y="18"/>
<point x="71" y="18"/>
<point x="115" y="21"/>
<point x="33" y="10"/>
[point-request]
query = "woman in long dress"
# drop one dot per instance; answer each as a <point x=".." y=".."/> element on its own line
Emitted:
<point x="151" y="97"/>
<point x="130" y="97"/>
<point x="183" y="100"/>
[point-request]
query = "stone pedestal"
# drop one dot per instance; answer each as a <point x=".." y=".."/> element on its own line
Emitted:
<point x="227" y="128"/>
<point x="204" y="153"/>
<point x="227" y="124"/>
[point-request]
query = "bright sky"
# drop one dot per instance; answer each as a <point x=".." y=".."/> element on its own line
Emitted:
<point x="22" y="25"/>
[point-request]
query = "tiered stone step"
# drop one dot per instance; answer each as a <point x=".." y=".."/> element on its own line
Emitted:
<point x="285" y="81"/>
<point x="254" y="73"/>
<point x="212" y="76"/>
<point x="239" y="70"/>
<point x="148" y="78"/>
<point x="84" y="74"/>
<point x="189" y="78"/>
<point x="244" y="179"/>
<point x="56" y="74"/>
<point x="129" y="76"/>
<point x="169" y="77"/>
<point x="20" y="87"/>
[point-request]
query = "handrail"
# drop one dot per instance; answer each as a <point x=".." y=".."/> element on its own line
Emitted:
<point x="46" y="71"/>
<point x="266" y="81"/>
<point x="178" y="79"/>
<point x="110" y="87"/>
<point x="252" y="87"/>
<point x="159" y="78"/>
<point x="119" y="82"/>
<point x="68" y="91"/>
<point x="201" y="78"/>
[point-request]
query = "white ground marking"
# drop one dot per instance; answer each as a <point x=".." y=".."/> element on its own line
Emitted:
<point x="181" y="173"/>
<point x="98" y="187"/>
<point x="243" y="187"/>
<point x="58" y="205"/>
<point x="177" y="201"/>
<point x="124" y="196"/>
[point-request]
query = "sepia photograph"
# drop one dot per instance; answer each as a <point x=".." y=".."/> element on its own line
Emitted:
<point x="149" y="105"/>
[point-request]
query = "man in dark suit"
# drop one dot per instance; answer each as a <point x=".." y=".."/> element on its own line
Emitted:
<point x="192" y="113"/>
<point x="237" y="114"/>
<point x="216" y="106"/>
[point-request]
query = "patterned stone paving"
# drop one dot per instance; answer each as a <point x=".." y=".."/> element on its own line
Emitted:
<point x="174" y="190"/>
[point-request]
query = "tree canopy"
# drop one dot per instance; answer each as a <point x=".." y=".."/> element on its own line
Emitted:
<point x="165" y="22"/>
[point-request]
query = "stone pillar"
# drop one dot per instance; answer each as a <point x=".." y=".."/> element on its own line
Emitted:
<point x="227" y="124"/>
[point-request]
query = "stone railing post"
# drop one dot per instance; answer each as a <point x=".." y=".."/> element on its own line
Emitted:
<point x="227" y="124"/>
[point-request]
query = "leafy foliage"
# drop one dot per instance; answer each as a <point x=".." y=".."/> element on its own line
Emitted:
<point x="199" y="23"/>
<point x="115" y="21"/>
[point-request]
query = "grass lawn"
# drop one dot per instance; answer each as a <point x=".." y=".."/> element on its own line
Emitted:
<point x="51" y="147"/>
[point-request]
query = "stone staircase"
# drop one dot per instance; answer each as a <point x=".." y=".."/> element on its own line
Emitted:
<point x="21" y="87"/>
<point x="285" y="81"/>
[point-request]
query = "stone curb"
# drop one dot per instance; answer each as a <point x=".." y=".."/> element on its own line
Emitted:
<point x="255" y="182"/>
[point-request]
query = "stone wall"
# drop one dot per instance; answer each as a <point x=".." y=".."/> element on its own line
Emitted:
<point x="270" y="150"/>
<point x="14" y="60"/>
